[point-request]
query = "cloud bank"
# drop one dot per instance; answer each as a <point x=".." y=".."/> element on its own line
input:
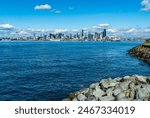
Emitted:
<point x="6" y="27"/>
<point x="9" y="30"/>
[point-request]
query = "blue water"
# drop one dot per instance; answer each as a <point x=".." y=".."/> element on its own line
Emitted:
<point x="51" y="70"/>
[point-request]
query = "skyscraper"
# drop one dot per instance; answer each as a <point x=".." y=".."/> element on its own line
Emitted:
<point x="82" y="33"/>
<point x="104" y="34"/>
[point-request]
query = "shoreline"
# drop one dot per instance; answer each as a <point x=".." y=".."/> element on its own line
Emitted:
<point x="141" y="52"/>
<point x="71" y="41"/>
<point x="128" y="88"/>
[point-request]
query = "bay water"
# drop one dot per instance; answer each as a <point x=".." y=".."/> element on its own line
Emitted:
<point x="46" y="70"/>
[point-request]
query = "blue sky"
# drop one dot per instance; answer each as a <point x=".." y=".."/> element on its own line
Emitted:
<point x="74" y="14"/>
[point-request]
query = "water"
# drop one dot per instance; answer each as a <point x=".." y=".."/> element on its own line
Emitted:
<point x="51" y="70"/>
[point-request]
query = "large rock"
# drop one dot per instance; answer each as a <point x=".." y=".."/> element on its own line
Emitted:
<point x="127" y="93"/>
<point x="124" y="85"/>
<point x="98" y="93"/>
<point x="137" y="87"/>
<point x="148" y="80"/>
<point x="131" y="85"/>
<point x="132" y="94"/>
<point x="91" y="98"/>
<point x="81" y="97"/>
<point x="92" y="86"/>
<point x="120" y="96"/>
<point x="75" y="99"/>
<point x="117" y="91"/>
<point x="97" y="86"/>
<point x="112" y="83"/>
<point x="125" y="99"/>
<point x="105" y="83"/>
<point x="89" y="93"/>
<point x="126" y="78"/>
<point x="147" y="88"/>
<point x="73" y="95"/>
<point x="108" y="83"/>
<point x="142" y="93"/>
<point x="141" y="79"/>
<point x="84" y="91"/>
<point x="118" y="79"/>
<point x="109" y="91"/>
<point x="107" y="98"/>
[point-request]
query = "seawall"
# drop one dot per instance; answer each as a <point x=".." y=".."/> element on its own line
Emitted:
<point x="142" y="52"/>
<point x="128" y="88"/>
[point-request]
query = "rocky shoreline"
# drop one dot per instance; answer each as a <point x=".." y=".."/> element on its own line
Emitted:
<point x="128" y="88"/>
<point x="141" y="52"/>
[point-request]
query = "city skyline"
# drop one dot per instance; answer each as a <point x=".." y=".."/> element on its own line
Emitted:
<point x="76" y="36"/>
<point x="118" y="17"/>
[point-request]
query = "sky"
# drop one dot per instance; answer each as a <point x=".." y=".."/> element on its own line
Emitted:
<point x="62" y="15"/>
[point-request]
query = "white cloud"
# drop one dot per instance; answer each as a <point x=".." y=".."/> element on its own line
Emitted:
<point x="23" y="32"/>
<point x="100" y="26"/>
<point x="55" y="11"/>
<point x="19" y="33"/>
<point x="131" y="30"/>
<point x="146" y="5"/>
<point x="147" y="30"/>
<point x="47" y="7"/>
<point x="60" y="30"/>
<point x="6" y="26"/>
<point x="112" y="30"/>
<point x="43" y="7"/>
<point x="103" y="25"/>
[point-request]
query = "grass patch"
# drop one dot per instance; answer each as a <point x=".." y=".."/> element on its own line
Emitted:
<point x="146" y="44"/>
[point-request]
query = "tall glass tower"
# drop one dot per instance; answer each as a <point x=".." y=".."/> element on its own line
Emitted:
<point x="104" y="34"/>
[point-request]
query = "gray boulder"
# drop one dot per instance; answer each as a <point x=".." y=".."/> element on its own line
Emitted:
<point x="98" y="93"/>
<point x="81" y="97"/>
<point x="124" y="85"/>
<point x="147" y="88"/>
<point x="84" y="91"/>
<point x="142" y="93"/>
<point x="91" y="98"/>
<point x="118" y="79"/>
<point x="117" y="91"/>
<point x="125" y="99"/>
<point x="131" y="85"/>
<point x="126" y="78"/>
<point x="141" y="79"/>
<point x="104" y="83"/>
<point x="92" y="86"/>
<point x="120" y="96"/>
<point x="109" y="91"/>
<point x="73" y="95"/>
<point x="107" y="98"/>
<point x="132" y="94"/>
<point x="75" y="99"/>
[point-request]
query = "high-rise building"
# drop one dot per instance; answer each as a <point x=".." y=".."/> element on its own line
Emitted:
<point x="104" y="34"/>
<point x="82" y="33"/>
<point x="45" y="37"/>
<point x="34" y="36"/>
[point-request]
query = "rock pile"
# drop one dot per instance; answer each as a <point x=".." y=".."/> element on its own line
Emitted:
<point x="142" y="52"/>
<point x="128" y="88"/>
